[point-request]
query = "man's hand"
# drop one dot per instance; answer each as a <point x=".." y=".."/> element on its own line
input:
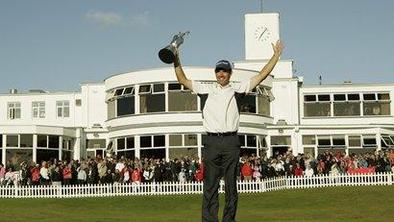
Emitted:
<point x="278" y="47"/>
<point x="256" y="80"/>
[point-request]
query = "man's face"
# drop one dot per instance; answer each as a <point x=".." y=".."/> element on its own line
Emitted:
<point x="223" y="77"/>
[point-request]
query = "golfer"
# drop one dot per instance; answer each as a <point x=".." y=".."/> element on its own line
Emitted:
<point x="221" y="123"/>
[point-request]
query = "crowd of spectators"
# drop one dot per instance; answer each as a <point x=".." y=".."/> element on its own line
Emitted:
<point x="100" y="170"/>
<point x="329" y="162"/>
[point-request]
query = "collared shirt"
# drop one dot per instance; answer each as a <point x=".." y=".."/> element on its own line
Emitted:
<point x="220" y="113"/>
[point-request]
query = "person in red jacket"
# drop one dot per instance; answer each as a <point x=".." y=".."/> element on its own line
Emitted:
<point x="298" y="171"/>
<point x="247" y="171"/>
<point x="35" y="175"/>
<point x="67" y="175"/>
<point x="136" y="175"/>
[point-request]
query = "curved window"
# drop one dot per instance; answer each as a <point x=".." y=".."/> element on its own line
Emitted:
<point x="257" y="102"/>
<point x="152" y="98"/>
<point x="181" y="99"/>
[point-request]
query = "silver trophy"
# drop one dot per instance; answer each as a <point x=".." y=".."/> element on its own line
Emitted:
<point x="167" y="54"/>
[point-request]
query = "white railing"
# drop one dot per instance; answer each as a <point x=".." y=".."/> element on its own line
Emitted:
<point x="175" y="188"/>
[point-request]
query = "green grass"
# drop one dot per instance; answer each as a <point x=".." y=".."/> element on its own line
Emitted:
<point x="345" y="204"/>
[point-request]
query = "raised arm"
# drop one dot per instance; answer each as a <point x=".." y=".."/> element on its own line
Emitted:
<point x="180" y="75"/>
<point x="256" y="80"/>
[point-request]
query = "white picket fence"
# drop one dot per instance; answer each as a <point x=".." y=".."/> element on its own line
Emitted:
<point x="175" y="188"/>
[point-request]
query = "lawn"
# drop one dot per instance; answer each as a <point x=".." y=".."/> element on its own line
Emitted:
<point x="345" y="204"/>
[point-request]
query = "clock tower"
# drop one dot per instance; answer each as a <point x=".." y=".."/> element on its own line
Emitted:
<point x="261" y="29"/>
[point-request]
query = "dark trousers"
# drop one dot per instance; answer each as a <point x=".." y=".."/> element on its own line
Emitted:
<point x="221" y="158"/>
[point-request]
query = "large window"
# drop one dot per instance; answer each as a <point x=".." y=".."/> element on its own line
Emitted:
<point x="14" y="110"/>
<point x="125" y="101"/>
<point x="26" y="140"/>
<point x="95" y="143"/>
<point x="181" y="99"/>
<point x="183" y="145"/>
<point x="152" y="98"/>
<point x="347" y="105"/>
<point x="14" y="157"/>
<point x="376" y="104"/>
<point x="38" y="109"/>
<point x="152" y="146"/>
<point x="248" y="104"/>
<point x="42" y="141"/>
<point x="125" y="147"/>
<point x="63" y="108"/>
<point x="317" y="105"/>
<point x="257" y="102"/>
<point x="12" y="140"/>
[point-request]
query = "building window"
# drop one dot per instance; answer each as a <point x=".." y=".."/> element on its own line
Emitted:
<point x="347" y="105"/>
<point x="354" y="141"/>
<point x="183" y="145"/>
<point x="248" y="104"/>
<point x="121" y="144"/>
<point x="152" y="98"/>
<point x="317" y="105"/>
<point x="376" y="104"/>
<point x="63" y="108"/>
<point x="280" y="140"/>
<point x="38" y="109"/>
<point x="26" y="140"/>
<point x="308" y="140"/>
<point x="180" y="98"/>
<point x="14" y="110"/>
<point x="95" y="143"/>
<point x="369" y="141"/>
<point x="12" y="141"/>
<point x="264" y="98"/>
<point x="152" y="146"/>
<point x="125" y="101"/>
<point x="78" y="102"/>
<point x="145" y="141"/>
<point x="183" y="140"/>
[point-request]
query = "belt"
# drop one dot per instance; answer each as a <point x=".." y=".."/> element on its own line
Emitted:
<point x="222" y="134"/>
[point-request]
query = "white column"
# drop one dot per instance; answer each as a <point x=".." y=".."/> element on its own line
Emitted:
<point x="60" y="156"/>
<point x="167" y="144"/>
<point x="137" y="147"/>
<point x="378" y="141"/>
<point x="3" y="149"/>
<point x="199" y="144"/>
<point x="35" y="148"/>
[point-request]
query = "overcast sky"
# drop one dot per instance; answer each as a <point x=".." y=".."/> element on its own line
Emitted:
<point x="56" y="44"/>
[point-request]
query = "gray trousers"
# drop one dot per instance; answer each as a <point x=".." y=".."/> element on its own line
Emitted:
<point x="221" y="159"/>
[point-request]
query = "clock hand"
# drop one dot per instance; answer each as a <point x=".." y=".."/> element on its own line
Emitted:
<point x="262" y="33"/>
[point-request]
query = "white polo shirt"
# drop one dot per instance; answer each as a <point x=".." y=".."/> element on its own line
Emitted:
<point x="220" y="113"/>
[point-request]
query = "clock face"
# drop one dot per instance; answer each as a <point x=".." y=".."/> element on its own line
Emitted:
<point x="262" y="33"/>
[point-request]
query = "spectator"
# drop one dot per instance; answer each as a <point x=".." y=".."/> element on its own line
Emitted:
<point x="247" y="171"/>
<point x="148" y="174"/>
<point x="56" y="176"/>
<point x="256" y="172"/>
<point x="102" y="170"/>
<point x="298" y="171"/>
<point x="136" y="176"/>
<point x="44" y="174"/>
<point x="309" y="171"/>
<point x="82" y="176"/>
<point x="2" y="173"/>
<point x="67" y="174"/>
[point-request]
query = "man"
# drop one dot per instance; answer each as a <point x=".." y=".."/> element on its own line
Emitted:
<point x="221" y="122"/>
